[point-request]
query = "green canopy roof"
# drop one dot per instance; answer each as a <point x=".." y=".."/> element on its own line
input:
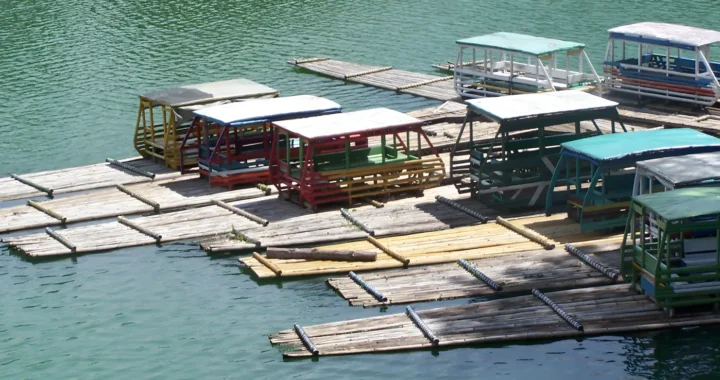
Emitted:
<point x="684" y="203"/>
<point x="638" y="146"/>
<point x="521" y="43"/>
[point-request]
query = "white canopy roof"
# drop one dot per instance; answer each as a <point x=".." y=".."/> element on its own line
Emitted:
<point x="680" y="34"/>
<point x="691" y="169"/>
<point x="206" y="92"/>
<point x="348" y="123"/>
<point x="261" y="110"/>
<point x="532" y="105"/>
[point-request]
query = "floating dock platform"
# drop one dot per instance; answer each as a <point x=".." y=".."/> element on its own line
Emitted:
<point x="79" y="178"/>
<point x="553" y="315"/>
<point x="489" y="277"/>
<point x="504" y="237"/>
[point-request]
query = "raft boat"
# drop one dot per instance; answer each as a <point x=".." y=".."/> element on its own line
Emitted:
<point x="165" y="115"/>
<point x="234" y="140"/>
<point x="510" y="63"/>
<point x="514" y="170"/>
<point x="665" y="61"/>
<point x="334" y="163"/>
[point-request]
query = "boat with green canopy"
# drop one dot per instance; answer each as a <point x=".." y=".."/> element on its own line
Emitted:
<point x="509" y="63"/>
<point x="515" y="168"/>
<point x="661" y="261"/>
<point x="602" y="202"/>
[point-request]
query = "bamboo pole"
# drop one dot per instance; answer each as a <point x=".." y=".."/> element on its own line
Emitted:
<point x="274" y="268"/>
<point x="389" y="251"/>
<point x="47" y="211"/>
<point x="526" y="232"/>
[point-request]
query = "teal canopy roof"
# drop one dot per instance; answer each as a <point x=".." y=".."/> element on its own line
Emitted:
<point x="521" y="43"/>
<point x="684" y="203"/>
<point x="638" y="146"/>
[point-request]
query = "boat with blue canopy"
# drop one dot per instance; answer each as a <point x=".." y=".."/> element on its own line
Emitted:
<point x="515" y="168"/>
<point x="233" y="141"/>
<point x="661" y="261"/>
<point x="665" y="61"/>
<point x="601" y="200"/>
<point x="509" y="63"/>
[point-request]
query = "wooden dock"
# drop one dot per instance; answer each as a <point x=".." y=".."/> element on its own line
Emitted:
<point x="592" y="311"/>
<point x="150" y="197"/>
<point x="443" y="246"/>
<point x="441" y="88"/>
<point x="385" y="77"/>
<point x="331" y="226"/>
<point x="155" y="229"/>
<point x="505" y="275"/>
<point x="96" y="176"/>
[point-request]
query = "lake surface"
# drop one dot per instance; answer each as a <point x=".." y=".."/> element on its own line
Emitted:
<point x="70" y="71"/>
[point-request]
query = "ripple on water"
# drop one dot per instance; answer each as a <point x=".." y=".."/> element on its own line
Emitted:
<point x="70" y="72"/>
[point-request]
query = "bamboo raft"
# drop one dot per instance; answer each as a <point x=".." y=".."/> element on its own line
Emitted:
<point x="329" y="227"/>
<point x="506" y="275"/>
<point x="158" y="196"/>
<point x="569" y="313"/>
<point x="385" y="77"/>
<point x="441" y="88"/>
<point x="96" y="176"/>
<point x="218" y="218"/>
<point x="472" y="242"/>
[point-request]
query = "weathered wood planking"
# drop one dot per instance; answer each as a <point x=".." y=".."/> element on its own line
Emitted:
<point x="82" y="178"/>
<point x="401" y="216"/>
<point x="442" y="246"/>
<point x="183" y="192"/>
<point x="520" y="272"/>
<point x="173" y="226"/>
<point x="385" y="77"/>
<point x="601" y="310"/>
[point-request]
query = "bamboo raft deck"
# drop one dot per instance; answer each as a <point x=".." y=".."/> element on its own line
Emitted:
<point x="327" y="227"/>
<point x="520" y="272"/>
<point x="80" y="178"/>
<point x="441" y="88"/>
<point x="162" y="228"/>
<point x="157" y="196"/>
<point x="594" y="311"/>
<point x="385" y="77"/>
<point x="443" y="246"/>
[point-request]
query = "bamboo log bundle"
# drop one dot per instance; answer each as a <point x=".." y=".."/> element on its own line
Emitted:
<point x="81" y="178"/>
<point x="403" y="216"/>
<point x="182" y="192"/>
<point x="517" y="273"/>
<point x="173" y="226"/>
<point x="442" y="246"/>
<point x="600" y="310"/>
<point x="314" y="254"/>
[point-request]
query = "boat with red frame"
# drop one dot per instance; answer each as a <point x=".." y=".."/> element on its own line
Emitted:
<point x="233" y="140"/>
<point x="333" y="161"/>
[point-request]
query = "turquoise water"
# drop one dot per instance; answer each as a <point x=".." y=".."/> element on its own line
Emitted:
<point x="69" y="74"/>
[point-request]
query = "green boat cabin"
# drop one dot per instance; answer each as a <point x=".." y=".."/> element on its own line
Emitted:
<point x="660" y="260"/>
<point x="515" y="168"/>
<point x="601" y="200"/>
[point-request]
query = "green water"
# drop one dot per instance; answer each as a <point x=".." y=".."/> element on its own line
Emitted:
<point x="69" y="73"/>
